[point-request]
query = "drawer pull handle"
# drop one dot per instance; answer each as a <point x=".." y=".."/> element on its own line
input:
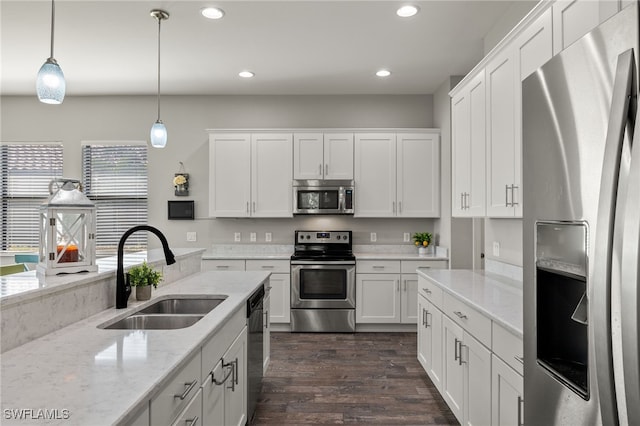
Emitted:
<point x="192" y="422"/>
<point x="267" y="266"/>
<point x="378" y="267"/>
<point x="460" y="315"/>
<point x="519" y="359"/>
<point x="187" y="390"/>
<point x="427" y="291"/>
<point x="222" y="266"/>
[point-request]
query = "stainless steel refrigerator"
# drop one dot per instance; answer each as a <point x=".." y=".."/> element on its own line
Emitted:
<point x="581" y="177"/>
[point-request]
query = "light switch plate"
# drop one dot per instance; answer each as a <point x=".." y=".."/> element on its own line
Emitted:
<point x="407" y="237"/>
<point x="374" y="237"/>
<point x="237" y="237"/>
<point x="267" y="237"/>
<point x="496" y="249"/>
<point x="192" y="236"/>
<point x="252" y="237"/>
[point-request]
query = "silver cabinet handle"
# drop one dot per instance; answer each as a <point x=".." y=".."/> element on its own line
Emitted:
<point x="247" y="207"/>
<point x="519" y="359"/>
<point x="456" y="354"/>
<point x="424" y="320"/>
<point x="460" y="315"/>
<point x="506" y="195"/>
<point x="460" y="360"/>
<point x="513" y="197"/>
<point x="326" y="169"/>
<point x="466" y="200"/>
<point x="192" y="422"/>
<point x="520" y="404"/>
<point x="218" y="383"/>
<point x="222" y="266"/>
<point x="254" y="206"/>
<point x="187" y="390"/>
<point x="399" y="206"/>
<point x="426" y="290"/>
<point x="378" y="266"/>
<point x="427" y="323"/>
<point x="267" y="266"/>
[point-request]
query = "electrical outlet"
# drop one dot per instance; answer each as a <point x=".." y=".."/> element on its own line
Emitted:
<point x="192" y="236"/>
<point x="252" y="237"/>
<point x="374" y="237"/>
<point x="267" y="237"/>
<point x="407" y="237"/>
<point x="496" y="249"/>
<point x="237" y="237"/>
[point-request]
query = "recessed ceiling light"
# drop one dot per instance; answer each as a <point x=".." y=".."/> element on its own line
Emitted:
<point x="212" y="13"/>
<point x="407" y="11"/>
<point x="246" y="74"/>
<point x="383" y="73"/>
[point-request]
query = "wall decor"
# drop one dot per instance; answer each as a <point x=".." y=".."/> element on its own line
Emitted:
<point x="181" y="182"/>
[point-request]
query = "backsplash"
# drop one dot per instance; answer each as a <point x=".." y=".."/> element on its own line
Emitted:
<point x="504" y="269"/>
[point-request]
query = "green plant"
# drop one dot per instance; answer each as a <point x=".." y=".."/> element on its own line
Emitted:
<point x="422" y="238"/>
<point x="142" y="275"/>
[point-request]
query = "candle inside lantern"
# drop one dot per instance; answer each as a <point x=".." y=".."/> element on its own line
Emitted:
<point x="70" y="255"/>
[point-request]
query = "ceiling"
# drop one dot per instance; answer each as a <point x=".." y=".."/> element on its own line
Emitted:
<point x="293" y="47"/>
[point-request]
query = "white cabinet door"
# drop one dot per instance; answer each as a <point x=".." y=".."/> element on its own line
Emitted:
<point x="506" y="394"/>
<point x="503" y="186"/>
<point x="476" y="360"/>
<point x="571" y="20"/>
<point x="271" y="166"/>
<point x="266" y="336"/>
<point x="229" y="175"/>
<point x="430" y="340"/>
<point x="280" y="309"/>
<point x="408" y="306"/>
<point x="468" y="149"/>
<point x="235" y="398"/>
<point x="338" y="156"/>
<point x="453" y="373"/>
<point x="213" y="391"/>
<point x="424" y="337"/>
<point x="418" y="175"/>
<point x="375" y="175"/>
<point x="378" y="298"/>
<point x="308" y="163"/>
<point x="534" y="46"/>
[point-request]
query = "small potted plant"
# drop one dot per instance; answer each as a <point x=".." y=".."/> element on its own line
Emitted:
<point x="422" y="241"/>
<point x="142" y="277"/>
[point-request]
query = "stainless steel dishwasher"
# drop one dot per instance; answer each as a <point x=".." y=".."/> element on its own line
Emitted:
<point x="255" y="347"/>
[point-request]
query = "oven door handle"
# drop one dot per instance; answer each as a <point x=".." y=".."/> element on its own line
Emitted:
<point x="323" y="262"/>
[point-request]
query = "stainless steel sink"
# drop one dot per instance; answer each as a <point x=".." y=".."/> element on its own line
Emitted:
<point x="168" y="313"/>
<point x="183" y="306"/>
<point x="154" y="322"/>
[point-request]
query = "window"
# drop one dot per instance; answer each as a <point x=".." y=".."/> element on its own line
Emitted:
<point x="27" y="170"/>
<point x="115" y="179"/>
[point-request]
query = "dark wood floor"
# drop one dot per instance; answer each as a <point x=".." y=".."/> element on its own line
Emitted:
<point x="364" y="378"/>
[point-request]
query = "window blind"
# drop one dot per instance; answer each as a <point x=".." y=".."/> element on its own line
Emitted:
<point x="115" y="179"/>
<point x="27" y="170"/>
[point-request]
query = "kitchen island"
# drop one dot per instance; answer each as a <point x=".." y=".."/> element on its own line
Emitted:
<point x="85" y="375"/>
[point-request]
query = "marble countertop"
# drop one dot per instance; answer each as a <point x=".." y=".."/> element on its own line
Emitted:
<point x="397" y="256"/>
<point x="18" y="287"/>
<point x="99" y="375"/>
<point x="496" y="296"/>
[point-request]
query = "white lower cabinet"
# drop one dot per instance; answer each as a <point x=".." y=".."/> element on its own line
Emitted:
<point x="280" y="304"/>
<point x="213" y="395"/>
<point x="506" y="394"/>
<point x="430" y="340"/>
<point x="235" y="391"/>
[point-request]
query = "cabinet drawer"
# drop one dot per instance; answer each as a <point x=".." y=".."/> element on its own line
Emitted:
<point x="507" y="346"/>
<point x="192" y="415"/>
<point x="410" y="266"/>
<point x="176" y="394"/>
<point x="217" y="345"/>
<point x="468" y="318"/>
<point x="378" y="267"/>
<point x="222" y="265"/>
<point x="282" y="266"/>
<point x="430" y="291"/>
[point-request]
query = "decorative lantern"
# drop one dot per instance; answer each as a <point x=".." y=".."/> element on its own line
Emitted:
<point x="67" y="230"/>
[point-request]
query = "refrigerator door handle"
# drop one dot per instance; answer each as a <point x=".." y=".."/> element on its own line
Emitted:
<point x="601" y="280"/>
<point x="630" y="272"/>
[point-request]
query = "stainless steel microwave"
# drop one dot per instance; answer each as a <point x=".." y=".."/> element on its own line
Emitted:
<point x="323" y="197"/>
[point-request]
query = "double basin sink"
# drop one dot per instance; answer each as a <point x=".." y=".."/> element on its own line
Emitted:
<point x="167" y="313"/>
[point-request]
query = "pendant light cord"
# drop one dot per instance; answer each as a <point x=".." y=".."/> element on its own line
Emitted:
<point x="159" y="24"/>
<point x="53" y="20"/>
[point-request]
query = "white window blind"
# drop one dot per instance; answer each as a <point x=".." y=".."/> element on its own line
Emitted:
<point x="27" y="170"/>
<point x="115" y="179"/>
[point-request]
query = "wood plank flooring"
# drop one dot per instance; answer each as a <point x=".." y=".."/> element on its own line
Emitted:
<point x="361" y="378"/>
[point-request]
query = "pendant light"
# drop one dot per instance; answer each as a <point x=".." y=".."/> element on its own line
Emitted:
<point x="158" y="130"/>
<point x="50" y="84"/>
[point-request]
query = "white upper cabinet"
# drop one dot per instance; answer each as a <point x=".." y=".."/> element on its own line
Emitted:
<point x="503" y="159"/>
<point x="375" y="175"/>
<point x="418" y="175"/>
<point x="271" y="156"/>
<point x="534" y="46"/>
<point x="326" y="156"/>
<point x="572" y="19"/>
<point x="468" y="149"/>
<point x="397" y="175"/>
<point x="229" y="175"/>
<point x="250" y="175"/>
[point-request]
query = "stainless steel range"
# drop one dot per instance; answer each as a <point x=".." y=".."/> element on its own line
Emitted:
<point x="323" y="282"/>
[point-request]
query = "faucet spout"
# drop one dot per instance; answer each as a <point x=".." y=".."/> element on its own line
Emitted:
<point x="123" y="289"/>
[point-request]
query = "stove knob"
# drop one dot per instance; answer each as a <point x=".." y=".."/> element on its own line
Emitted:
<point x="308" y="237"/>
<point x="338" y="237"/>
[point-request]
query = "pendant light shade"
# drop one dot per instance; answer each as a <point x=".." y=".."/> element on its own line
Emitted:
<point x="158" y="130"/>
<point x="50" y="84"/>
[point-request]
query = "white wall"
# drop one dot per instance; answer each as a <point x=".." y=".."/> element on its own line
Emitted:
<point x="186" y="117"/>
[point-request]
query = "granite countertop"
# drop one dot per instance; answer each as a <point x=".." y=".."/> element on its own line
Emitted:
<point x="496" y="296"/>
<point x="103" y="376"/>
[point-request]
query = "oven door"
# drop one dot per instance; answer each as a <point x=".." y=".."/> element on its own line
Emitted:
<point x="323" y="285"/>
